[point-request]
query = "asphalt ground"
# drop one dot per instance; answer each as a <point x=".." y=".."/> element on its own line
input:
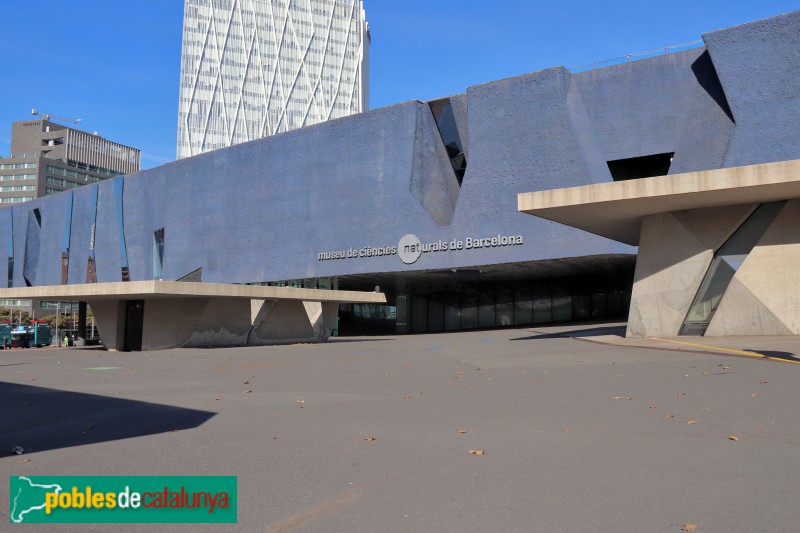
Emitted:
<point x="582" y="431"/>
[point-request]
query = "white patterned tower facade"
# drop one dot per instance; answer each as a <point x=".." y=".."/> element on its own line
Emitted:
<point x="251" y="68"/>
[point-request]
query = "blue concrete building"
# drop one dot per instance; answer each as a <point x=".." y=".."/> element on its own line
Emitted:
<point x="420" y="198"/>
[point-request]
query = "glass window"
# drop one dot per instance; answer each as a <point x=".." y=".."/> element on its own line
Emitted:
<point x="435" y="314"/>
<point x="486" y="310"/>
<point x="469" y="310"/>
<point x="581" y="306"/>
<point x="542" y="308"/>
<point x="726" y="262"/>
<point x="504" y="306"/>
<point x="523" y="306"/>
<point x="442" y="111"/>
<point x="561" y="304"/>
<point x="419" y="314"/>
<point x="158" y="253"/>
<point x="403" y="311"/>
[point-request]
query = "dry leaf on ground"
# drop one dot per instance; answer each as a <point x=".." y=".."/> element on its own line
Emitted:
<point x="690" y="422"/>
<point x="689" y="527"/>
<point x="623" y="398"/>
<point x="477" y="452"/>
<point x="733" y="437"/>
<point x="370" y="439"/>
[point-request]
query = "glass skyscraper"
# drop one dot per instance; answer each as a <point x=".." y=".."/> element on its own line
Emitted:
<point x="251" y="68"/>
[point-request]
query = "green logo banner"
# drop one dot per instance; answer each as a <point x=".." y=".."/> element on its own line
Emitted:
<point x="122" y="499"/>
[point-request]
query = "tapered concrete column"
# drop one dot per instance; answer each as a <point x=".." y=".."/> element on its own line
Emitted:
<point x="109" y="316"/>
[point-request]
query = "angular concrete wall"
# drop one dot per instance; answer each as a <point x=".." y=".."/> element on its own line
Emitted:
<point x="217" y="322"/>
<point x="758" y="65"/>
<point x="109" y="317"/>
<point x="675" y="251"/>
<point x="764" y="295"/>
<point x="263" y="210"/>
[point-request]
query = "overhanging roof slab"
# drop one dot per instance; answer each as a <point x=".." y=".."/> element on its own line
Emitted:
<point x="145" y="290"/>
<point x="615" y="210"/>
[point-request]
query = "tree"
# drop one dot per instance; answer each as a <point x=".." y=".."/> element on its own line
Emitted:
<point x="64" y="322"/>
<point x="15" y="316"/>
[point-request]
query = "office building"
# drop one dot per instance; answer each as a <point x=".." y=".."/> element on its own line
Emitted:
<point x="47" y="158"/>
<point x="692" y="155"/>
<point x="259" y="67"/>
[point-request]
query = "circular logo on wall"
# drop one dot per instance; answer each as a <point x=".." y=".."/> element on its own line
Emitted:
<point x="409" y="249"/>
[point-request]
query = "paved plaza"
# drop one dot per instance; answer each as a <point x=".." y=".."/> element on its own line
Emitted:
<point x="579" y="430"/>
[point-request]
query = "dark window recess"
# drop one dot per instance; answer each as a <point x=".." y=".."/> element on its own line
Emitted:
<point x="125" y="273"/>
<point x="91" y="268"/>
<point x="158" y="253"/>
<point x="91" y="271"/>
<point x="134" y="325"/>
<point x="38" y="216"/>
<point x="64" y="267"/>
<point x="67" y="238"/>
<point x="10" y="212"/>
<point x="640" y="167"/>
<point x="442" y="112"/>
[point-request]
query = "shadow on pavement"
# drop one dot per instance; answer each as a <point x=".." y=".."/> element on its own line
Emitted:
<point x="39" y="419"/>
<point x="786" y="356"/>
<point x="335" y="340"/>
<point x="588" y="332"/>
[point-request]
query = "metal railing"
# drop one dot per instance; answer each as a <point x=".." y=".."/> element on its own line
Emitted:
<point x="627" y="58"/>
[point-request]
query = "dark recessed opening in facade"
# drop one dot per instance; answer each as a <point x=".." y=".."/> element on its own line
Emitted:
<point x="640" y="167"/>
<point x="158" y="253"/>
<point x="442" y="111"/>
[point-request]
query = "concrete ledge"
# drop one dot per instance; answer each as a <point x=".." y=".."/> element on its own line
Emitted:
<point x="145" y="290"/>
<point x="615" y="210"/>
<point x="156" y="315"/>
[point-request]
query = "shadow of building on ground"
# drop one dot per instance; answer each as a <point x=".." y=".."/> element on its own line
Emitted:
<point x="39" y="419"/>
<point x="786" y="356"/>
<point x="586" y="332"/>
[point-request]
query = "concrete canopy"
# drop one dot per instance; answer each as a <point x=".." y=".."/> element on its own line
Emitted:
<point x="145" y="290"/>
<point x="615" y="210"/>
<point x="202" y="314"/>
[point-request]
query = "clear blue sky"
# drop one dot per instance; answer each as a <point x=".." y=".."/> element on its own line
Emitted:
<point x="116" y="64"/>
